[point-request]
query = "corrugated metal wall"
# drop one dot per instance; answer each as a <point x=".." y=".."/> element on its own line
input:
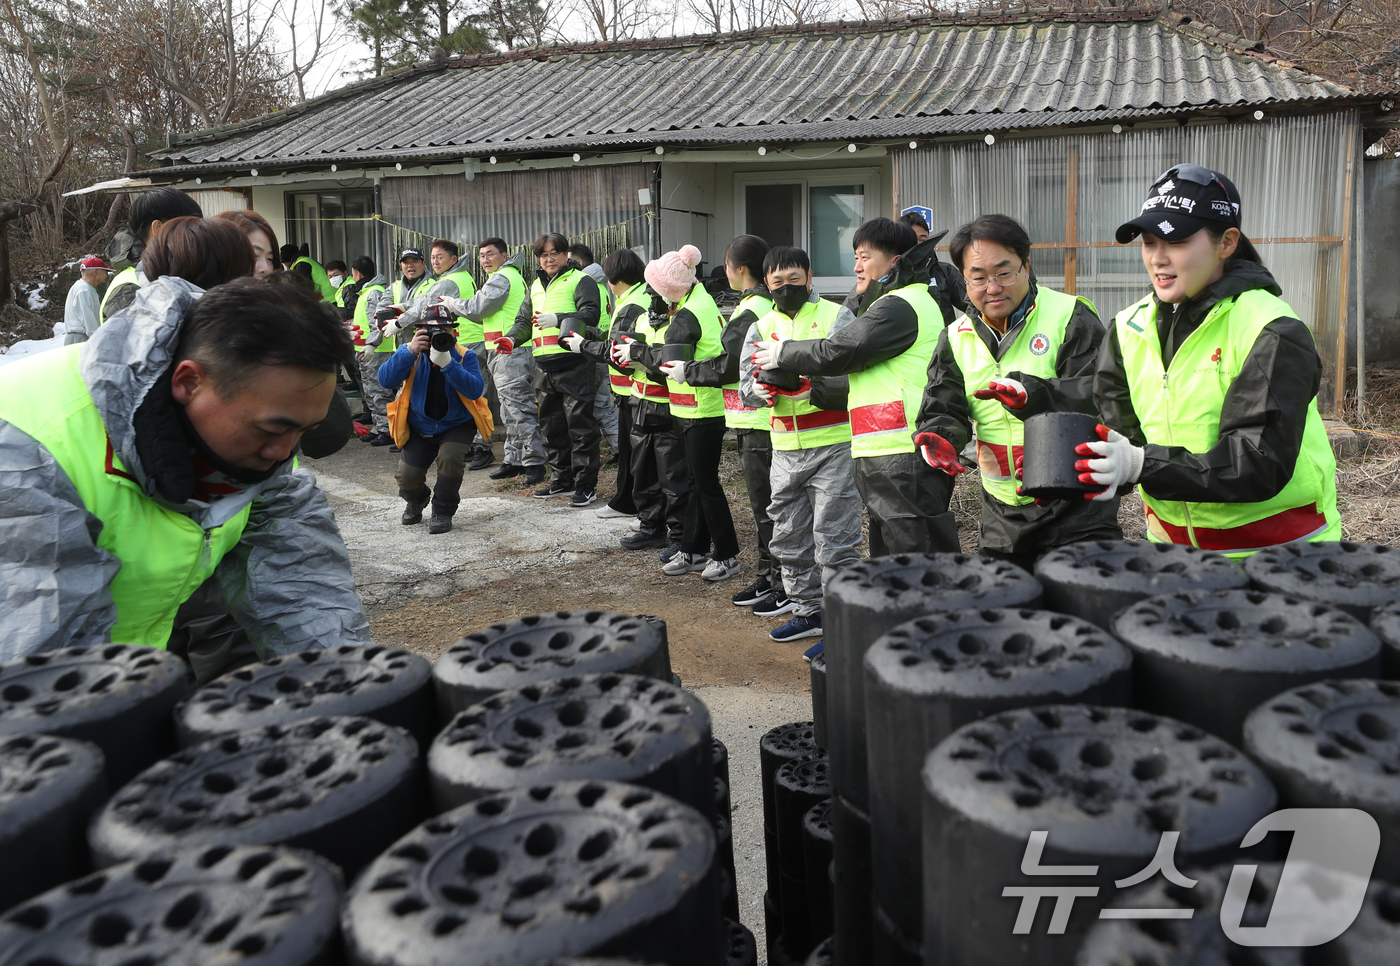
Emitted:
<point x="519" y="205"/>
<point x="1072" y="192"/>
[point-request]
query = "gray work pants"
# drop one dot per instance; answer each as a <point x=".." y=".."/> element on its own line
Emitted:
<point x="816" y="520"/>
<point x="514" y="378"/>
<point x="374" y="396"/>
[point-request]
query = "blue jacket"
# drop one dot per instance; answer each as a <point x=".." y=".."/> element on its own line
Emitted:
<point x="463" y="376"/>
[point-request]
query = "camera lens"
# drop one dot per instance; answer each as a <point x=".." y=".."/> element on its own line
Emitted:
<point x="443" y="341"/>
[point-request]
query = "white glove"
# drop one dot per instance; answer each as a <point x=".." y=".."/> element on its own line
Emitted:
<point x="764" y="391"/>
<point x="766" y="355"/>
<point x="439" y="359"/>
<point x="456" y="306"/>
<point x="573" y="340"/>
<point x="547" y="320"/>
<point x="674" y="371"/>
<point x="391" y="328"/>
<point x="1120" y="462"/>
<point x="622" y="354"/>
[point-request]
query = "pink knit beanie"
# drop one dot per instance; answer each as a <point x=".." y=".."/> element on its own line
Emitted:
<point x="673" y="274"/>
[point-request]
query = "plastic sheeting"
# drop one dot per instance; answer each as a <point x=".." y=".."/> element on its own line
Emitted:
<point x="1072" y="191"/>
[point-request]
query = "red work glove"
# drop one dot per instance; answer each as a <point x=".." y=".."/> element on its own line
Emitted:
<point x="1008" y="392"/>
<point x="939" y="453"/>
<point x="360" y="428"/>
<point x="1119" y="463"/>
<point x="504" y="346"/>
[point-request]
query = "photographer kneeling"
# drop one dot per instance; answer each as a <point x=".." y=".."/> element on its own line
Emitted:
<point x="435" y="416"/>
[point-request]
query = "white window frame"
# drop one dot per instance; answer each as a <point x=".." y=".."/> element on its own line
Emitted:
<point x="868" y="177"/>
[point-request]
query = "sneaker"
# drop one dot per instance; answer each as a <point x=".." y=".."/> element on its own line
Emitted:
<point x="685" y="563"/>
<point x="753" y="593"/>
<point x="673" y="547"/>
<point x="642" y="541"/>
<point x="413" y="513"/>
<point x="799" y="627"/>
<point x="582" y="498"/>
<point x="774" y="604"/>
<point x="505" y="471"/>
<point x="606" y="512"/>
<point x="555" y="488"/>
<point x="381" y="439"/>
<point x="439" y="523"/>
<point x="481" y="460"/>
<point x="721" y="570"/>
<point x="815" y="651"/>
<point x="534" y="475"/>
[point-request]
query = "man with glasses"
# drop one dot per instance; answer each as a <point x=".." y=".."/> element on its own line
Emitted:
<point x="563" y="299"/>
<point x="885" y="352"/>
<point x="385" y="307"/>
<point x="977" y="378"/>
<point x="493" y="310"/>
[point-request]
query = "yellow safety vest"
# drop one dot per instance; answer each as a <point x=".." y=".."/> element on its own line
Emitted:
<point x="495" y="325"/>
<point x="1179" y="405"/>
<point x="636" y="295"/>
<point x="557" y="298"/>
<point x="164" y="555"/>
<point x="126" y="276"/>
<point x="467" y="330"/>
<point x="700" y="402"/>
<point x="1000" y="435"/>
<point x="360" y="324"/>
<point x="797" y="424"/>
<point x="884" y="399"/>
<point x="736" y="414"/>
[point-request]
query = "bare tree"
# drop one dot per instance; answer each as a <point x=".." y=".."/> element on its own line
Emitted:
<point x="619" y="19"/>
<point x="315" y="34"/>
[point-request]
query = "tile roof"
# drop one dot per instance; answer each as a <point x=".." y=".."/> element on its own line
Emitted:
<point x="911" y="78"/>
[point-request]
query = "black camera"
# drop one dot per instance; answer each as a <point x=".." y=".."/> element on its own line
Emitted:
<point x="439" y="323"/>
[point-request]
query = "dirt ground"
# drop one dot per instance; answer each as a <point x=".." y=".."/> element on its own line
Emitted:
<point x="713" y="643"/>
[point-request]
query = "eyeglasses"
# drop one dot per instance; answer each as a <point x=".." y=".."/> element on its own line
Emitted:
<point x="979" y="283"/>
<point x="549" y="253"/>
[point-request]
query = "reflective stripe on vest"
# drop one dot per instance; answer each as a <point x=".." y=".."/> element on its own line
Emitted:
<point x="1034" y="351"/>
<point x="467" y="330"/>
<point x="884" y="399"/>
<point x="636" y="295"/>
<point x="361" y="321"/>
<point x="126" y="276"/>
<point x="642" y="385"/>
<point x="495" y="325"/>
<point x="1181" y="407"/>
<point x="797" y="424"/>
<point x="700" y="402"/>
<point x="736" y="414"/>
<point x="164" y="555"/>
<point x="557" y="298"/>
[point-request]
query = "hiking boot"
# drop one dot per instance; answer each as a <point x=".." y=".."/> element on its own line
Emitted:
<point x="533" y="475"/>
<point x="413" y="513"/>
<point x="439" y="523"/>
<point x="505" y="471"/>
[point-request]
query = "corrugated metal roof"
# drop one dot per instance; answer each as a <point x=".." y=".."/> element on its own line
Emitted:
<point x="918" y="78"/>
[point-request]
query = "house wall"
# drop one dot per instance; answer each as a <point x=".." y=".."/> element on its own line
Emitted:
<point x="1072" y="189"/>
<point x="1381" y="250"/>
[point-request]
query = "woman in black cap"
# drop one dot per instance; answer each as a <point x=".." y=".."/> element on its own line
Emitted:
<point x="1207" y="387"/>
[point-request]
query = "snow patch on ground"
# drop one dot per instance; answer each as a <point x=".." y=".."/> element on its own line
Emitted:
<point x="35" y="295"/>
<point x="29" y="347"/>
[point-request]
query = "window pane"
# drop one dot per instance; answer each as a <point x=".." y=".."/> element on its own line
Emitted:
<point x="770" y="212"/>
<point x="837" y="211"/>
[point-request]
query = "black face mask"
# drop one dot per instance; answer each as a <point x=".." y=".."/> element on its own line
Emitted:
<point x="234" y="474"/>
<point x="790" y="298"/>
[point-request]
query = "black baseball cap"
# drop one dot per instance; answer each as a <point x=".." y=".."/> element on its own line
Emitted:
<point x="1181" y="202"/>
<point x="412" y="253"/>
